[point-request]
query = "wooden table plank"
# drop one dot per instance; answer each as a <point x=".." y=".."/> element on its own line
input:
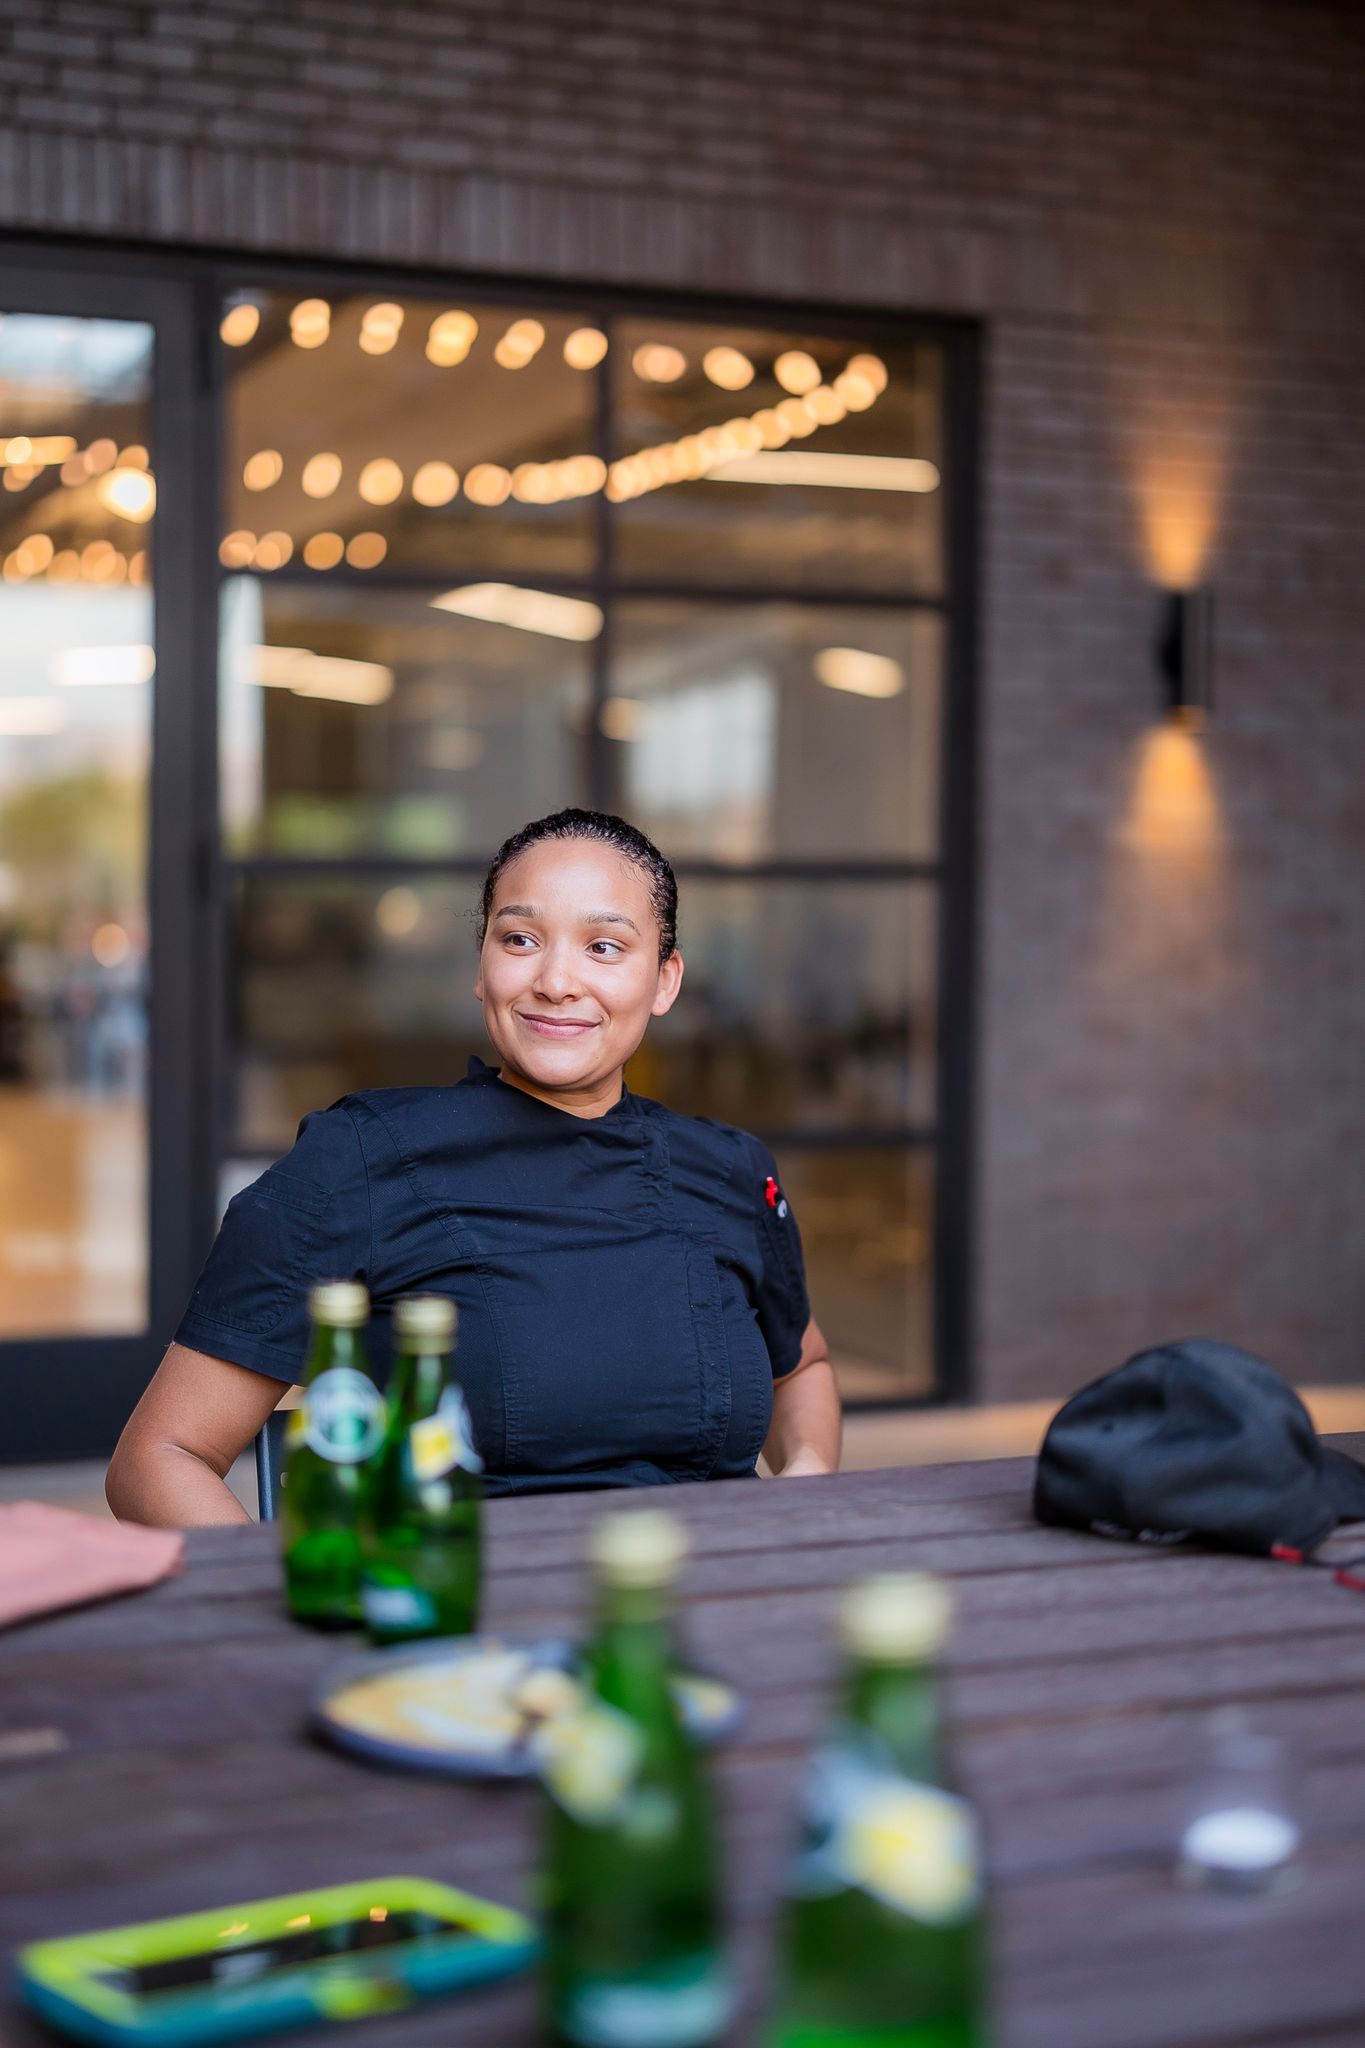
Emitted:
<point x="180" y="1771"/>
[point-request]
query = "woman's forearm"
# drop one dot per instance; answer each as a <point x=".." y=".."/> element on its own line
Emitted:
<point x="806" y="1427"/>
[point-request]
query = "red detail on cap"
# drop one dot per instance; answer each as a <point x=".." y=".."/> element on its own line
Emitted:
<point x="771" y="1191"/>
<point x="1286" y="1553"/>
<point x="1345" y="1577"/>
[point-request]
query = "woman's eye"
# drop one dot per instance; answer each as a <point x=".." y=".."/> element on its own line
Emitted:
<point x="519" y="941"/>
<point x="605" y="948"/>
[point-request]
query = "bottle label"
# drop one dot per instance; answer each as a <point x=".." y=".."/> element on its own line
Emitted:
<point x="444" y="1440"/>
<point x="590" y="1759"/>
<point x="396" y="1607"/>
<point x="343" y="1416"/>
<point x="911" y="1846"/>
<point x="683" y="2007"/>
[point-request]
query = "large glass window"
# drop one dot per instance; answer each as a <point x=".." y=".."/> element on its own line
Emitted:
<point x="75" y="744"/>
<point x="481" y="561"/>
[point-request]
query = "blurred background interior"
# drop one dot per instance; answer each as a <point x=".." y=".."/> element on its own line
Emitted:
<point x="789" y="430"/>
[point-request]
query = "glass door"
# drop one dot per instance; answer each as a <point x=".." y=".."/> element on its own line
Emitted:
<point x="92" y="1094"/>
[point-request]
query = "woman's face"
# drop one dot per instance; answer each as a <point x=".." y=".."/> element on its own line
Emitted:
<point x="569" y="972"/>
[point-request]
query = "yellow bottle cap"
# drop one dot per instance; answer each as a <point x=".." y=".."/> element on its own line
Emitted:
<point x="897" y="1618"/>
<point x="640" y="1547"/>
<point x="341" y="1304"/>
<point x="428" y="1318"/>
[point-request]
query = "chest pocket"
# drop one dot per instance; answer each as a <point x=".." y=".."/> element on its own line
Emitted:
<point x="610" y="1339"/>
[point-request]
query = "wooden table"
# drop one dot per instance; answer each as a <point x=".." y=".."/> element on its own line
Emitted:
<point x="177" y="1772"/>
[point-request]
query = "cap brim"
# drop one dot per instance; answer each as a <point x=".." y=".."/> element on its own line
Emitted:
<point x="1345" y="1483"/>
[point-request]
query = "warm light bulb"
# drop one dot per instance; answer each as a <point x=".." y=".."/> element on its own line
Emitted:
<point x="137" y="567"/>
<point x="321" y="475"/>
<point x="273" y="550"/>
<point x="585" y="348"/>
<point x="450" y="338"/>
<point x="826" y="404"/>
<point x="797" y="372"/>
<point x="135" y="457"/>
<point x="657" y="362"/>
<point x="310" y="323"/>
<point x="857" y="392"/>
<point x="101" y="455"/>
<point x="487" y="484"/>
<point x="19" y="449"/>
<point x="130" y="493"/>
<point x="435" y="483"/>
<point x="728" y="367"/>
<point x="35" y="553"/>
<point x="239" y="324"/>
<point x="796" y="415"/>
<point x="772" y="428"/>
<point x="263" y="469"/>
<point x="65" y="567"/>
<point x="366" y="550"/>
<point x="871" y="368"/>
<point x="323" y="550"/>
<point x="380" y="327"/>
<point x="521" y="342"/>
<point x="380" y="481"/>
<point x="236" y="549"/>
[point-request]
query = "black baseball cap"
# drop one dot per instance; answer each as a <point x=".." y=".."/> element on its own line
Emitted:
<point x="1198" y="1441"/>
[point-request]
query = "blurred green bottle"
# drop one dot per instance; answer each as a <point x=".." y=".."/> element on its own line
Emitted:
<point x="633" y="1928"/>
<point x="331" y="1436"/>
<point x="883" y="1940"/>
<point x="421" y="1529"/>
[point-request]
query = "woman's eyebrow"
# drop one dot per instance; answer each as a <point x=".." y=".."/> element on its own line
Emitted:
<point x="611" y="917"/>
<point x="526" y="910"/>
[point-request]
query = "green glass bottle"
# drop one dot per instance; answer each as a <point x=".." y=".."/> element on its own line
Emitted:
<point x="883" y="1941"/>
<point x="634" y="1955"/>
<point x="420" y="1538"/>
<point x="335" y="1430"/>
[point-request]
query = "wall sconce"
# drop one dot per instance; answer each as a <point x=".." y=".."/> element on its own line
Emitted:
<point x="1184" y="654"/>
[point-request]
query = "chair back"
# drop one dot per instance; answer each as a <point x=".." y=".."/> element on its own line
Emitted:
<point x="269" y="1465"/>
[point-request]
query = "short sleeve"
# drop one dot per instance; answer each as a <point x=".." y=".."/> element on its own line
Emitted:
<point x="783" y="1303"/>
<point x="306" y="1219"/>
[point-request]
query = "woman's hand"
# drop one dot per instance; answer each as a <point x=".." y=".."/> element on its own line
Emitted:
<point x="807" y="1422"/>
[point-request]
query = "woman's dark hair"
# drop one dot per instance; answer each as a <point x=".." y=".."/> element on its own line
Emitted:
<point x="627" y="840"/>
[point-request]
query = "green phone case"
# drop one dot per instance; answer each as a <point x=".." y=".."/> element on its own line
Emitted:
<point x="68" y="1981"/>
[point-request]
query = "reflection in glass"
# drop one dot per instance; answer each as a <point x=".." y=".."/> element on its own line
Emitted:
<point x="414" y="434"/>
<point x="805" y="1006"/>
<point x="731" y="716"/>
<point x="867" y="1225"/>
<point x="376" y="721"/>
<point x="75" y="733"/>
<point x="746" y="457"/>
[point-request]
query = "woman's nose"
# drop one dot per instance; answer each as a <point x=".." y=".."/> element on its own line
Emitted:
<point x="557" y="977"/>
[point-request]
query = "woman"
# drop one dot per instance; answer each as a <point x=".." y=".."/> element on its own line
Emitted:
<point x="630" y="1282"/>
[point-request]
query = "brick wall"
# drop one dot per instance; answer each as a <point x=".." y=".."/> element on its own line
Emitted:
<point x="1159" y="212"/>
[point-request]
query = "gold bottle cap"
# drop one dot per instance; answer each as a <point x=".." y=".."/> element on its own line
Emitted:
<point x="341" y="1304"/>
<point x="897" y="1618"/>
<point x="428" y="1318"/>
<point x="639" y="1547"/>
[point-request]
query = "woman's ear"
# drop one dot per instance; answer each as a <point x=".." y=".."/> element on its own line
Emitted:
<point x="670" y="981"/>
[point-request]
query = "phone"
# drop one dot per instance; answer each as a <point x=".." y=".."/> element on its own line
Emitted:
<point x="348" y="1952"/>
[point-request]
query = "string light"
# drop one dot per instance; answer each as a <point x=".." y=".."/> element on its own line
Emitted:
<point x="35" y="553"/>
<point x="65" y="567"/>
<point x="827" y="405"/>
<point x="137" y="567"/>
<point x="366" y="550"/>
<point x="135" y="457"/>
<point x="380" y="327"/>
<point x="657" y="362"/>
<point x="797" y="372"/>
<point x="857" y="391"/>
<point x="310" y="323"/>
<point x="237" y="548"/>
<point x="521" y="342"/>
<point x="40" y="452"/>
<point x="263" y="469"/>
<point x="272" y="551"/>
<point x="381" y="481"/>
<point x="321" y="475"/>
<point x="130" y="493"/>
<point x="435" y="483"/>
<point x="19" y="449"/>
<point x="239" y="324"/>
<point x="450" y="338"/>
<point x="488" y="484"/>
<point x="797" y="417"/>
<point x="324" y="550"/>
<point x="730" y="368"/>
<point x="872" y="368"/>
<point x="19" y="475"/>
<point x="585" y="348"/>
<point x="101" y="455"/>
<point x="76" y="468"/>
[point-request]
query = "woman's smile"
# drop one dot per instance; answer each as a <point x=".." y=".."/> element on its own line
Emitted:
<point x="556" y="1027"/>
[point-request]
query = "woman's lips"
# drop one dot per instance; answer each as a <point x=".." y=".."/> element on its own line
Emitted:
<point x="556" y="1027"/>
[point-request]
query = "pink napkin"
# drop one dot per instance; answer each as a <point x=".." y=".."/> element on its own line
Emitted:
<point x="50" y="1558"/>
